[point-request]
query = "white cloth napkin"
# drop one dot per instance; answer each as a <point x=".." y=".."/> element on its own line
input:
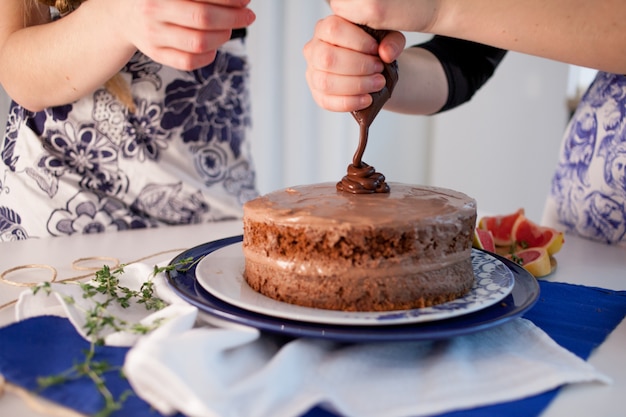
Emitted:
<point x="66" y="300"/>
<point x="222" y="372"/>
<point x="202" y="370"/>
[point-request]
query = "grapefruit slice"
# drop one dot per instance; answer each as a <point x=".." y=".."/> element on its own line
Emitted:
<point x="483" y="239"/>
<point x="501" y="227"/>
<point x="528" y="234"/>
<point x="534" y="260"/>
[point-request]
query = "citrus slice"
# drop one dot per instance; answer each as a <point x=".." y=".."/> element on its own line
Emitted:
<point x="534" y="260"/>
<point x="528" y="234"/>
<point x="501" y="227"/>
<point x="483" y="239"/>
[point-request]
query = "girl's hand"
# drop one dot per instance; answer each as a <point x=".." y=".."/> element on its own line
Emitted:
<point x="405" y="15"/>
<point x="344" y="64"/>
<point x="184" y="34"/>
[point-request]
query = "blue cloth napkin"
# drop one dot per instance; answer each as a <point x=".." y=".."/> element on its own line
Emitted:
<point x="584" y="318"/>
<point x="49" y="345"/>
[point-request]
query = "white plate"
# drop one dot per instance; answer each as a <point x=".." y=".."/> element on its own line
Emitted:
<point x="221" y="274"/>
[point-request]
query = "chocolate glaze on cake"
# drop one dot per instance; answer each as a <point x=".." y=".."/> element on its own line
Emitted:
<point x="318" y="247"/>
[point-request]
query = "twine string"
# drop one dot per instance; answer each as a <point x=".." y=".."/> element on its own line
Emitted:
<point x="77" y="265"/>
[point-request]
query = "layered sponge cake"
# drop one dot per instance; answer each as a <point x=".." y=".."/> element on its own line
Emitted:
<point x="318" y="247"/>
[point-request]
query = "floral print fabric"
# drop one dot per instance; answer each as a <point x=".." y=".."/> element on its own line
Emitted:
<point x="181" y="157"/>
<point x="588" y="193"/>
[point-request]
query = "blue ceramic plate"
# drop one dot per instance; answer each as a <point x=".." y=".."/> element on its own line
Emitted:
<point x="221" y="274"/>
<point x="184" y="282"/>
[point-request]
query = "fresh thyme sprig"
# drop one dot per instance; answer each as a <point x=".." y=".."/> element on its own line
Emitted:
<point x="95" y="371"/>
<point x="518" y="260"/>
<point x="513" y="251"/>
<point x="98" y="319"/>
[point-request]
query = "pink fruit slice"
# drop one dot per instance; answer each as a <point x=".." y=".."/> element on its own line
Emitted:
<point x="534" y="260"/>
<point x="530" y="235"/>
<point x="501" y="227"/>
<point x="483" y="239"/>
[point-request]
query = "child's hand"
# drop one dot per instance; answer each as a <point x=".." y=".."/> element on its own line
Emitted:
<point x="184" y="34"/>
<point x="344" y="64"/>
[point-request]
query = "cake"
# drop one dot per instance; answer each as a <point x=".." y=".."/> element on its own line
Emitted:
<point x="317" y="247"/>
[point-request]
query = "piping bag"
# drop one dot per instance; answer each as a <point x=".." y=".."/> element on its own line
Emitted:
<point x="390" y="72"/>
<point x="361" y="177"/>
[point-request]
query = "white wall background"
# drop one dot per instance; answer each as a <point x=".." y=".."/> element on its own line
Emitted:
<point x="500" y="148"/>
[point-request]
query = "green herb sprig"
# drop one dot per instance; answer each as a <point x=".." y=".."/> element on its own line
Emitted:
<point x="106" y="282"/>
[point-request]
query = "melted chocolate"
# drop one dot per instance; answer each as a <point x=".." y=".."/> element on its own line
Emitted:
<point x="363" y="178"/>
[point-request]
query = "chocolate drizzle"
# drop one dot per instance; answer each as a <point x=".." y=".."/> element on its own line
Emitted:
<point x="361" y="177"/>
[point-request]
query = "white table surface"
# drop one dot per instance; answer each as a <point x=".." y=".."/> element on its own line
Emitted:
<point x="579" y="262"/>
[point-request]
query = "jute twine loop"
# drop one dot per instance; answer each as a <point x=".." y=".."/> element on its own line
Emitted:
<point x="3" y="275"/>
<point x="76" y="264"/>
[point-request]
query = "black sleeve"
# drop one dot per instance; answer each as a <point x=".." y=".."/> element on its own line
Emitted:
<point x="468" y="65"/>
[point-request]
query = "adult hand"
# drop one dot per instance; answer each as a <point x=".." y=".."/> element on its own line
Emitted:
<point x="184" y="34"/>
<point x="344" y="64"/>
<point x="401" y="15"/>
